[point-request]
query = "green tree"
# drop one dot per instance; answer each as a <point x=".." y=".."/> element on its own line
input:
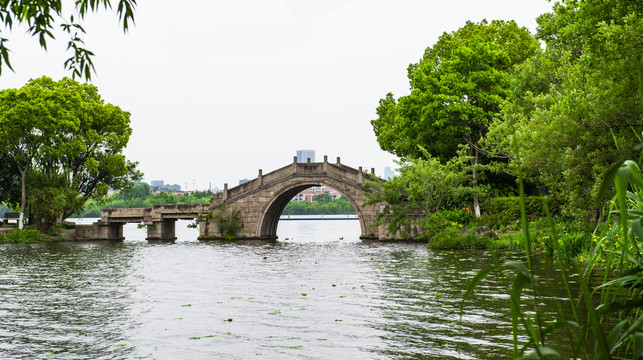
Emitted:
<point x="41" y="16"/>
<point x="323" y="198"/>
<point x="577" y="107"/>
<point x="73" y="142"/>
<point x="30" y="120"/>
<point x="456" y="89"/>
<point x="423" y="187"/>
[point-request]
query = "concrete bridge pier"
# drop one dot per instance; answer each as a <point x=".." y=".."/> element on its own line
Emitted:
<point x="109" y="230"/>
<point x="162" y="230"/>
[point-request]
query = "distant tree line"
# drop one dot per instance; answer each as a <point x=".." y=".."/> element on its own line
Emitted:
<point x="323" y="204"/>
<point x="140" y="196"/>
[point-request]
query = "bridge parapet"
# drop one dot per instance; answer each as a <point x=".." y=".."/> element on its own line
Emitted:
<point x="317" y="169"/>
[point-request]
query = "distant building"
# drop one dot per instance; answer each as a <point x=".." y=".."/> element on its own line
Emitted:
<point x="388" y="173"/>
<point x="310" y="193"/>
<point x="159" y="186"/>
<point x="243" y="181"/>
<point x="304" y="155"/>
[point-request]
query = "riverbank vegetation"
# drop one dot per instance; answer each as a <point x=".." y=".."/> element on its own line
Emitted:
<point x="488" y="106"/>
<point x="546" y="131"/>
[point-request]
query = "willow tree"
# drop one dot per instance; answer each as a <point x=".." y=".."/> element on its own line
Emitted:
<point x="456" y="90"/>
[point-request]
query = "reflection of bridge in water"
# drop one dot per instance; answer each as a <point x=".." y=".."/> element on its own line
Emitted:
<point x="258" y="203"/>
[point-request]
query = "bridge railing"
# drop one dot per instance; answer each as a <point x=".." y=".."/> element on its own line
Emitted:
<point x="337" y="170"/>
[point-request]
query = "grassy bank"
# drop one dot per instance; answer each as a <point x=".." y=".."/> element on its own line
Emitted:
<point x="25" y="236"/>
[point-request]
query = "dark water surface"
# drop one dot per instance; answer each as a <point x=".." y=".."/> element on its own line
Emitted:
<point x="312" y="296"/>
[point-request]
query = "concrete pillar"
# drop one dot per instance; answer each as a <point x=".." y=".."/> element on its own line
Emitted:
<point x="109" y="231"/>
<point x="260" y="177"/>
<point x="162" y="230"/>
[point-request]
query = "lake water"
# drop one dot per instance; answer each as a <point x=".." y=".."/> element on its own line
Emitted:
<point x="316" y="293"/>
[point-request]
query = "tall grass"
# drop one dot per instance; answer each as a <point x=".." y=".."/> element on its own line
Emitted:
<point x="603" y="319"/>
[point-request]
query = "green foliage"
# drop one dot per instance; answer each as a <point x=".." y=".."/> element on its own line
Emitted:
<point x="613" y="319"/>
<point x="228" y="223"/>
<point x="456" y="89"/>
<point x="452" y="239"/>
<point x="460" y="216"/>
<point x="502" y="211"/>
<point x="67" y="142"/>
<point x="422" y="188"/>
<point x="587" y="88"/>
<point x="27" y="236"/>
<point x="41" y="17"/>
<point x="565" y="240"/>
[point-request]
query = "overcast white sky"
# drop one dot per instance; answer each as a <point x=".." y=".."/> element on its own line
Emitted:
<point x="220" y="89"/>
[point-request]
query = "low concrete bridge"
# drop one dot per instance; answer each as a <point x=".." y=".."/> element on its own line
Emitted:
<point x="159" y="219"/>
<point x="254" y="207"/>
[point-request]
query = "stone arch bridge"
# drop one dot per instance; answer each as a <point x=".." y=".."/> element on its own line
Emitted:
<point x="258" y="204"/>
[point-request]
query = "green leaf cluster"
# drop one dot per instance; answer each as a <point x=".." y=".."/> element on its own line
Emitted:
<point x="423" y="187"/>
<point x="457" y="89"/>
<point x="576" y="107"/>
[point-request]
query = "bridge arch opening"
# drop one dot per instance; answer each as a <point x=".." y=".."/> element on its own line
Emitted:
<point x="275" y="207"/>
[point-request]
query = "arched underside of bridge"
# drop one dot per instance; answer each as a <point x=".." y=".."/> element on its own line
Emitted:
<point x="272" y="211"/>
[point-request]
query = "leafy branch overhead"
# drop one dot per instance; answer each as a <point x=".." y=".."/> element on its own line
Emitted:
<point x="42" y="16"/>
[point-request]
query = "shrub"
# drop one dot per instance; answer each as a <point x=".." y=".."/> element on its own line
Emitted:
<point x="27" y="236"/>
<point x="503" y="211"/>
<point x="461" y="216"/>
<point x="451" y="238"/>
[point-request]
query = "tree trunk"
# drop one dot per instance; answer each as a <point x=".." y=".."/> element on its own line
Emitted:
<point x="23" y="199"/>
<point x="476" y="201"/>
